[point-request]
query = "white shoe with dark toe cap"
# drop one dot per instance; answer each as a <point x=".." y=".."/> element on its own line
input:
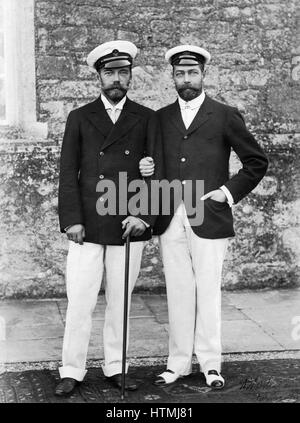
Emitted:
<point x="166" y="378"/>
<point x="214" y="379"/>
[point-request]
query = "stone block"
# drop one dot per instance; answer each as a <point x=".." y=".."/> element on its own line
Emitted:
<point x="54" y="110"/>
<point x="247" y="11"/>
<point x="163" y="31"/>
<point x="42" y="40"/>
<point x="268" y="186"/>
<point x="256" y="77"/>
<point x="291" y="240"/>
<point x="245" y="336"/>
<point x="128" y="36"/>
<point x="52" y="67"/>
<point x="273" y="15"/>
<point x="88" y="15"/>
<point x="212" y="76"/>
<point x="48" y="90"/>
<point x="278" y="326"/>
<point x="68" y="39"/>
<point x="29" y="313"/>
<point x="231" y="12"/>
<point x="85" y="72"/>
<point x="49" y="13"/>
<point x="79" y="89"/>
<point x="99" y="35"/>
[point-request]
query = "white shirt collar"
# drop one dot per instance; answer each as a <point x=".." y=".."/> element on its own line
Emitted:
<point x="193" y="104"/>
<point x="108" y="105"/>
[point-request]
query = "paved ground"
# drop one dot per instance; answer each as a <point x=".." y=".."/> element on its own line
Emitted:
<point x="256" y="326"/>
<point x="252" y="321"/>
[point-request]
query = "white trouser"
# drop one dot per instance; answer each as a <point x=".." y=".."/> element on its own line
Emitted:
<point x="85" y="264"/>
<point x="192" y="267"/>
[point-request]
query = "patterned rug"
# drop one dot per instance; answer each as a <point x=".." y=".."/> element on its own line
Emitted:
<point x="261" y="381"/>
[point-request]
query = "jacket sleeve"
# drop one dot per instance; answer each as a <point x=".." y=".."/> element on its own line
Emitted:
<point x="254" y="160"/>
<point x="154" y="149"/>
<point x="69" y="202"/>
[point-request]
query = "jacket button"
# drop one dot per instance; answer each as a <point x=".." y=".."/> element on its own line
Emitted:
<point x="185" y="137"/>
<point x="127" y="152"/>
<point x="101" y="153"/>
<point x="183" y="159"/>
<point x="101" y="176"/>
<point x="101" y="199"/>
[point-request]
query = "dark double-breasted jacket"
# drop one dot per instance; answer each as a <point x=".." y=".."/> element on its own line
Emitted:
<point x="95" y="149"/>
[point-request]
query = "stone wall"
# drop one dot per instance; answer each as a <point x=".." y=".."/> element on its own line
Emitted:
<point x="255" y="66"/>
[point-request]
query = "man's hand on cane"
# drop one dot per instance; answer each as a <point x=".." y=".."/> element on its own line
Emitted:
<point x="134" y="226"/>
<point x="76" y="233"/>
<point x="146" y="166"/>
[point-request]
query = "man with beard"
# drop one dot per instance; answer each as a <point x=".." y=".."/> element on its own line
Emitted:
<point x="102" y="139"/>
<point x="198" y="134"/>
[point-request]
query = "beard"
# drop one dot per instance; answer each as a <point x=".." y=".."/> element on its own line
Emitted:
<point x="188" y="93"/>
<point x="115" y="93"/>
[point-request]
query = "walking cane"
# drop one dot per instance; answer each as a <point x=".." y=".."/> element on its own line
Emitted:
<point x="125" y="317"/>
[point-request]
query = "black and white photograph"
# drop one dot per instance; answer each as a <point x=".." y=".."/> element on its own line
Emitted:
<point x="149" y="204"/>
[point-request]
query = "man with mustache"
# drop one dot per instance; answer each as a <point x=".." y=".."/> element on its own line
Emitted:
<point x="198" y="134"/>
<point x="102" y="139"/>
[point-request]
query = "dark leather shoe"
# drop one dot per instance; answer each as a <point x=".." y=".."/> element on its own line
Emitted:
<point x="66" y="387"/>
<point x="116" y="381"/>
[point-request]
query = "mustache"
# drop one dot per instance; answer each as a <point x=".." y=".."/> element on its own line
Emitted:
<point x="115" y="91"/>
<point x="184" y="90"/>
<point x="188" y="87"/>
<point x="115" y="85"/>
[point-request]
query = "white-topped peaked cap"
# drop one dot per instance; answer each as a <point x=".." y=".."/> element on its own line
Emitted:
<point x="112" y="54"/>
<point x="187" y="55"/>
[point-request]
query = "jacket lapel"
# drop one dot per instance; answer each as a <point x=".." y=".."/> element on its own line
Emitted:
<point x="176" y="118"/>
<point x="203" y="114"/>
<point x="201" y="117"/>
<point x="127" y="119"/>
<point x="98" y="116"/>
